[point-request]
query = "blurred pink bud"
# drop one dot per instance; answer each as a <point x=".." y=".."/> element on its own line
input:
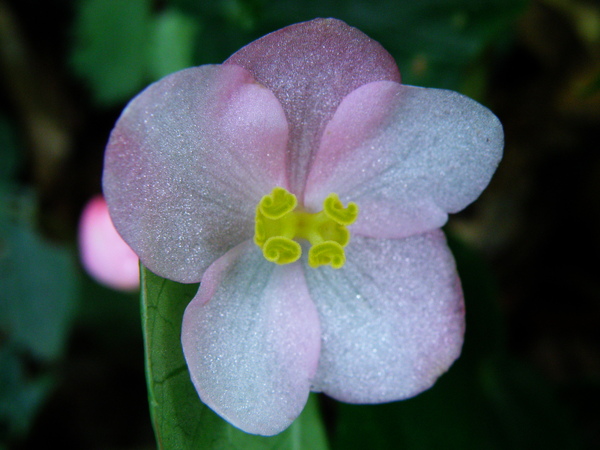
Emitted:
<point x="104" y="254"/>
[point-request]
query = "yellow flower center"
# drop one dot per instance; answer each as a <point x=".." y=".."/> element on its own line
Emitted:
<point x="278" y="223"/>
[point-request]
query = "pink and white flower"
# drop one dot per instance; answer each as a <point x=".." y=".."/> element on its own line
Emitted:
<point x="313" y="108"/>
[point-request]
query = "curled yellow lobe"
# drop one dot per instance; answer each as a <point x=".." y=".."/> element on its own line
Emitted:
<point x="278" y="224"/>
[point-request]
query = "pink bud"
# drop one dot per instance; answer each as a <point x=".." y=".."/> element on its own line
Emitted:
<point x="104" y="254"/>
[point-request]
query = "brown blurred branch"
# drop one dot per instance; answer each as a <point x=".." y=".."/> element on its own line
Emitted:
<point x="41" y="101"/>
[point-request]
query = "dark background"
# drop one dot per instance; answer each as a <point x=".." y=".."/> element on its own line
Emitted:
<point x="71" y="351"/>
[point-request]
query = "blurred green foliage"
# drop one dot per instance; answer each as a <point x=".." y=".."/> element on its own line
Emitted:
<point x="173" y="40"/>
<point x="38" y="297"/>
<point x="121" y="46"/>
<point x="110" y="46"/>
<point x="39" y="282"/>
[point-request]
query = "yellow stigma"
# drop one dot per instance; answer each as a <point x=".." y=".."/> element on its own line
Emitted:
<point x="278" y="224"/>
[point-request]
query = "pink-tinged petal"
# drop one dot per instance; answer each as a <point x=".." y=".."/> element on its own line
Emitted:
<point x="392" y="318"/>
<point x="188" y="161"/>
<point x="104" y="254"/>
<point x="406" y="155"/>
<point x="310" y="67"/>
<point x="251" y="339"/>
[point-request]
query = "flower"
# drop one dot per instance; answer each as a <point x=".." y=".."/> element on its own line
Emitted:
<point x="104" y="254"/>
<point x="214" y="172"/>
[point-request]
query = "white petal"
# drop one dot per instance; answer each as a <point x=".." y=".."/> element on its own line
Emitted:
<point x="251" y="340"/>
<point x="392" y="318"/>
<point x="406" y="155"/>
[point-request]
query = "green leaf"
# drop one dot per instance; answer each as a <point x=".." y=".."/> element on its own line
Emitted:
<point x="39" y="282"/>
<point x="21" y="394"/>
<point x="39" y="290"/>
<point x="173" y="44"/>
<point x="110" y="47"/>
<point x="180" y="419"/>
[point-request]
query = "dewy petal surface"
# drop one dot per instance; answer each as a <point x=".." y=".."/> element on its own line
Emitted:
<point x="310" y="67"/>
<point x="251" y="339"/>
<point x="406" y="155"/>
<point x="188" y="161"/>
<point x="392" y="318"/>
